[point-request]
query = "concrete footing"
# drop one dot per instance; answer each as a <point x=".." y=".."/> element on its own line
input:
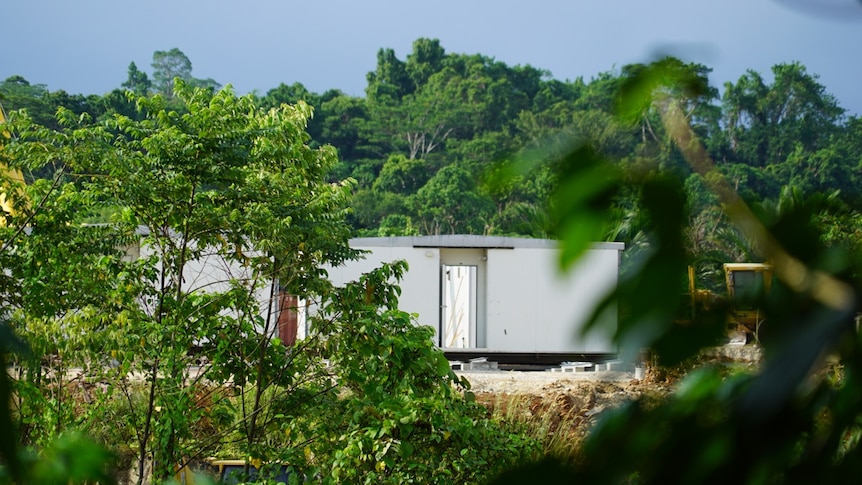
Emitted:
<point x="477" y="364"/>
<point x="483" y="364"/>
<point x="609" y="366"/>
<point x="574" y="367"/>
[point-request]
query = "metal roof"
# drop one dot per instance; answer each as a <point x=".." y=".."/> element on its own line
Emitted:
<point x="469" y="241"/>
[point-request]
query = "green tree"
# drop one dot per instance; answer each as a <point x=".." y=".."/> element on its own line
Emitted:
<point x="688" y="88"/>
<point x="823" y="171"/>
<point x="370" y="207"/>
<point x="56" y="271"/>
<point x="553" y="91"/>
<point x="17" y="93"/>
<point x="765" y="122"/>
<point x="426" y="59"/>
<point x="342" y="121"/>
<point x="403" y="415"/>
<point x="397" y="225"/>
<point x="402" y="175"/>
<point x="221" y="182"/>
<point x="137" y="81"/>
<point x="451" y="204"/>
<point x="490" y="93"/>
<point x="168" y="65"/>
<point x="390" y="81"/>
<point x="289" y="94"/>
<point x="600" y="93"/>
<point x="115" y="102"/>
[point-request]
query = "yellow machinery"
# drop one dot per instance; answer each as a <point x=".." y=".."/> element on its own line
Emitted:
<point x="226" y="472"/>
<point x="746" y="282"/>
<point x="700" y="300"/>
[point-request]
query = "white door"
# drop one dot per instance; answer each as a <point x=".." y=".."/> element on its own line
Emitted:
<point x="459" y="303"/>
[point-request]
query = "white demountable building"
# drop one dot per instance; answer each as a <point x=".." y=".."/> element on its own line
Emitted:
<point x="487" y="295"/>
<point x="483" y="295"/>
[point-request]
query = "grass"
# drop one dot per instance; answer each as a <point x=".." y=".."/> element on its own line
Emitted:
<point x="559" y="421"/>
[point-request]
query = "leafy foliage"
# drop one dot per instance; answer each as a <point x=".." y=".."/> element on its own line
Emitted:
<point x="791" y="423"/>
<point x="650" y="155"/>
<point x="402" y="414"/>
<point x="221" y="181"/>
<point x="217" y="181"/>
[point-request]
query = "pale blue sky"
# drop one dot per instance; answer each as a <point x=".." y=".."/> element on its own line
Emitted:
<point x="85" y="46"/>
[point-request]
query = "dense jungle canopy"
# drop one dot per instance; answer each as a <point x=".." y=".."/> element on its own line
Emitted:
<point x="426" y="145"/>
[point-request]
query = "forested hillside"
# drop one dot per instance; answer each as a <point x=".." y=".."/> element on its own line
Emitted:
<point x="426" y="141"/>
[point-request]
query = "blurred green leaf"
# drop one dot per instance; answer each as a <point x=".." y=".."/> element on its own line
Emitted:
<point x="581" y="203"/>
<point x="71" y="458"/>
<point x="644" y="85"/>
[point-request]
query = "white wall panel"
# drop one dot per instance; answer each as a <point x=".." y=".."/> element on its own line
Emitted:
<point x="420" y="287"/>
<point x="535" y="308"/>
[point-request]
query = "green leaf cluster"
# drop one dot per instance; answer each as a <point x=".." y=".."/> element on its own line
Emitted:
<point x="402" y="415"/>
<point x="793" y="421"/>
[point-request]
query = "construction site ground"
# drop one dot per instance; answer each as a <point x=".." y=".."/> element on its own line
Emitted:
<point x="538" y="382"/>
<point x="578" y="398"/>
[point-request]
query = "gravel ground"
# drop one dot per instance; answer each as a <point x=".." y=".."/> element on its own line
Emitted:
<point x="538" y="382"/>
<point x="518" y="382"/>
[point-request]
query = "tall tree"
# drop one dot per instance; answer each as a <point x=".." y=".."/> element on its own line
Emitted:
<point x="292" y="94"/>
<point x="137" y="81"/>
<point x="390" y="80"/>
<point x="208" y="83"/>
<point x="765" y="122"/>
<point x="289" y="94"/>
<point x="425" y="60"/>
<point x="223" y="181"/>
<point x="168" y="65"/>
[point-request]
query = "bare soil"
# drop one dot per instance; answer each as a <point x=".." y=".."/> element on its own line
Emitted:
<point x="574" y="401"/>
<point x="585" y="394"/>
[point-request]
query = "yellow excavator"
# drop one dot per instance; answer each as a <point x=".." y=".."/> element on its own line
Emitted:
<point x="745" y="282"/>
